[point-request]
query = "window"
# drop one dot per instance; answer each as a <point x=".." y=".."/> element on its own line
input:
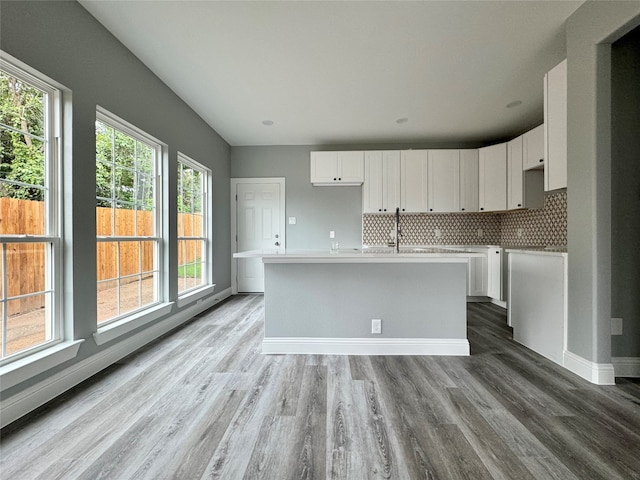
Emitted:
<point x="30" y="244"/>
<point x="193" y="225"/>
<point x="127" y="219"/>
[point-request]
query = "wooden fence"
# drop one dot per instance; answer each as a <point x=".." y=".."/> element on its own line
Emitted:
<point x="26" y="262"/>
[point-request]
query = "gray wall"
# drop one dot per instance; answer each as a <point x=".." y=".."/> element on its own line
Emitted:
<point x="61" y="40"/>
<point x="338" y="300"/>
<point x="317" y="209"/>
<point x="590" y="31"/>
<point x="625" y="193"/>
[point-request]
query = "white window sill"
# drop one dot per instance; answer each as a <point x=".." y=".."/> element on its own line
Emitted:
<point x="195" y="295"/>
<point x="121" y="327"/>
<point x="32" y="365"/>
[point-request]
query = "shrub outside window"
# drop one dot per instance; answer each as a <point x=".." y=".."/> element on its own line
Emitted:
<point x="30" y="244"/>
<point x="193" y="225"/>
<point x="127" y="219"/>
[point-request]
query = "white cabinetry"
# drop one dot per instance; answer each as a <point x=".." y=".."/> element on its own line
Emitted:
<point x="381" y="189"/>
<point x="555" y="127"/>
<point x="533" y="148"/>
<point x="524" y="188"/>
<point x="538" y="302"/>
<point x="444" y="181"/>
<point x="477" y="274"/>
<point x="337" y="168"/>
<point x="494" y="274"/>
<point x="413" y="181"/>
<point x="469" y="180"/>
<point x="492" y="175"/>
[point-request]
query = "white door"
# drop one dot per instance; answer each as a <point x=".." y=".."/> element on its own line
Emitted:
<point x="259" y="224"/>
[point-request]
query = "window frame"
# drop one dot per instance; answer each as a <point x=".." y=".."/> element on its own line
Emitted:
<point x="206" y="287"/>
<point x="157" y="308"/>
<point x="53" y="221"/>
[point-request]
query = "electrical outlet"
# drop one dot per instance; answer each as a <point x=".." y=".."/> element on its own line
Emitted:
<point x="292" y="220"/>
<point x="437" y="232"/>
<point x="616" y="326"/>
<point x="480" y="233"/>
<point x="520" y="232"/>
<point x="376" y="325"/>
<point x="332" y="234"/>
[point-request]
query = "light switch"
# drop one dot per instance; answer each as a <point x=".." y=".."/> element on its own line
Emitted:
<point x="292" y="220"/>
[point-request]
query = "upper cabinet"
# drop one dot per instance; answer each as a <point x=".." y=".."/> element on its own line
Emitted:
<point x="469" y="180"/>
<point x="381" y="189"/>
<point x="337" y="168"/>
<point x="524" y="188"/>
<point x="555" y="127"/>
<point x="533" y="148"/>
<point x="492" y="178"/>
<point x="443" y="180"/>
<point x="413" y="181"/>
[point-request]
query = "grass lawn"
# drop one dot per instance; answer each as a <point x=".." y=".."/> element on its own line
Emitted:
<point x="190" y="270"/>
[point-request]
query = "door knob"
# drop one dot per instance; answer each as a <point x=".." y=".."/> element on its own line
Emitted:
<point x="277" y="236"/>
<point x="277" y="244"/>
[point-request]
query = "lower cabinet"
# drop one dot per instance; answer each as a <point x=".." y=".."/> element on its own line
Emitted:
<point x="494" y="274"/>
<point x="477" y="274"/>
<point x="538" y="302"/>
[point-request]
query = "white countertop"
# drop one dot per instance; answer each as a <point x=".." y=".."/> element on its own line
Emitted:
<point x="365" y="255"/>
<point x="554" y="251"/>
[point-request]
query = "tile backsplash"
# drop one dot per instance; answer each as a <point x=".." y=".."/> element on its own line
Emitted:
<point x="541" y="227"/>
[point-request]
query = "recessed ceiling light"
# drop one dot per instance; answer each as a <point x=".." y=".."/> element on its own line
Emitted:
<point x="515" y="103"/>
<point x="402" y="120"/>
<point x="268" y="123"/>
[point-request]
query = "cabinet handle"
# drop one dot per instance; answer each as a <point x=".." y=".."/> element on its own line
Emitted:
<point x="431" y="209"/>
<point x="462" y="209"/>
<point x="519" y="204"/>
<point x="334" y="178"/>
<point x="385" y="209"/>
<point x="481" y="208"/>
<point x="541" y="160"/>
<point x="379" y="209"/>
<point x="403" y="209"/>
<point x="340" y="178"/>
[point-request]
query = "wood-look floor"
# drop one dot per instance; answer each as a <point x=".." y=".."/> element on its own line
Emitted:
<point x="202" y="402"/>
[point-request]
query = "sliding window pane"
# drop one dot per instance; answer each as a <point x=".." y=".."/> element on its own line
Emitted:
<point x="26" y="323"/>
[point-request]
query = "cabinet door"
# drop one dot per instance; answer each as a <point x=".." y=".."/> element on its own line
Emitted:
<point x="514" y="174"/>
<point x="444" y="180"/>
<point x="469" y="180"/>
<point x="351" y="167"/>
<point x="494" y="266"/>
<point x="390" y="181"/>
<point x="324" y="167"/>
<point x="413" y="181"/>
<point x="492" y="174"/>
<point x="477" y="275"/>
<point x="533" y="148"/>
<point x="372" y="187"/>
<point x="555" y="127"/>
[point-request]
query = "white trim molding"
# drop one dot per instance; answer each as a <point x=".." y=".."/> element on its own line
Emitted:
<point x="598" y="373"/>
<point x="15" y="372"/>
<point x="31" y="398"/>
<point x="626" y="366"/>
<point x="365" y="346"/>
<point x="121" y="327"/>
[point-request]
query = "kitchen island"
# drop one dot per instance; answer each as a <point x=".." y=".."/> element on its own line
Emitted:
<point x="321" y="302"/>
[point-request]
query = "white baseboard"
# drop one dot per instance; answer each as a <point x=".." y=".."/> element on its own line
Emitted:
<point x="626" y="366"/>
<point x="598" y="373"/>
<point x="32" y="397"/>
<point x="500" y="303"/>
<point x="366" y="346"/>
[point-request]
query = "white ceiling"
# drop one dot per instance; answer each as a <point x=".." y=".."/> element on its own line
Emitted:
<point x="343" y="72"/>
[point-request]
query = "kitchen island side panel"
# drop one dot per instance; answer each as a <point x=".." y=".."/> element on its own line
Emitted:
<point x="426" y="301"/>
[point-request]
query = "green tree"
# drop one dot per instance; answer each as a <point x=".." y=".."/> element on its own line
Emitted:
<point x="22" y="154"/>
